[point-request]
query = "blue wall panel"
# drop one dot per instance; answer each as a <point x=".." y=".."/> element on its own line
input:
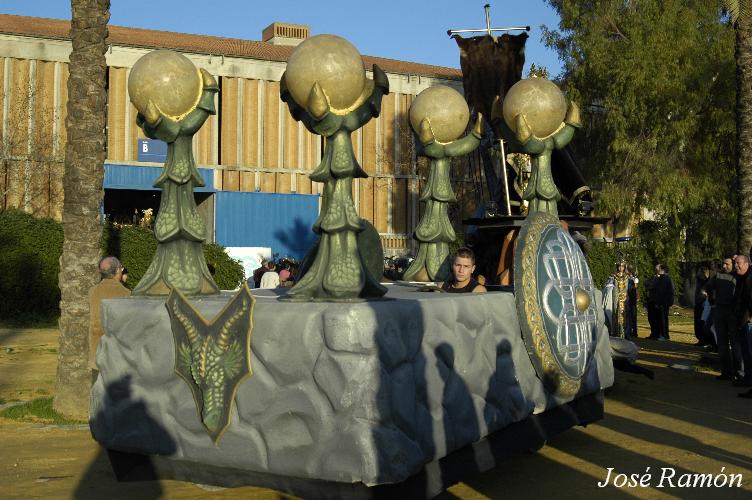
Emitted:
<point x="133" y="177"/>
<point x="282" y="222"/>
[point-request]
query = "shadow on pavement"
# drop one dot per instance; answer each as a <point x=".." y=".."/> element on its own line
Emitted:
<point x="667" y="437"/>
<point x="122" y="467"/>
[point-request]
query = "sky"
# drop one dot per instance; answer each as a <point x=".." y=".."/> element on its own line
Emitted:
<point x="407" y="30"/>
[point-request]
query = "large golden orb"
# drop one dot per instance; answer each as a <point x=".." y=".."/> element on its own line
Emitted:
<point x="540" y="101"/>
<point x="169" y="80"/>
<point x="581" y="299"/>
<point x="333" y="62"/>
<point x="445" y="108"/>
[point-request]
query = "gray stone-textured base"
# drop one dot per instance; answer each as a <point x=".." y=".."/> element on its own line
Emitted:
<point x="366" y="392"/>
<point x="519" y="437"/>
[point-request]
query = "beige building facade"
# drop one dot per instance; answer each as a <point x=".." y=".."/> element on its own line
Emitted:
<point x="252" y="144"/>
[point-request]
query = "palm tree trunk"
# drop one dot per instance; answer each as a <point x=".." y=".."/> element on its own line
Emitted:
<point x="82" y="187"/>
<point x="744" y="129"/>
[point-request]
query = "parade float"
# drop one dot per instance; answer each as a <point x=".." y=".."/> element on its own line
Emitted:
<point x="341" y="386"/>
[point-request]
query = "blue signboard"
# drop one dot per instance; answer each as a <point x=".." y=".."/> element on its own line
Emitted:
<point x="152" y="150"/>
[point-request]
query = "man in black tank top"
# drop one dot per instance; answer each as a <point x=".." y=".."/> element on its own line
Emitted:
<point x="463" y="267"/>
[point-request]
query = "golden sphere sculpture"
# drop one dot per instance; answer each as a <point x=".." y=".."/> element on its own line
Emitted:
<point x="541" y="103"/>
<point x="445" y="109"/>
<point x="581" y="299"/>
<point x="335" y="64"/>
<point x="169" y="80"/>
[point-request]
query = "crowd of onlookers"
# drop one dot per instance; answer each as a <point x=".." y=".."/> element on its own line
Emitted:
<point x="723" y="317"/>
<point x="395" y="267"/>
<point x="273" y="274"/>
<point x="722" y="311"/>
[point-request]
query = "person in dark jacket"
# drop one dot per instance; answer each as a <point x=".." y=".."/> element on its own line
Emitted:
<point x="259" y="273"/>
<point x="660" y="290"/>
<point x="743" y="310"/>
<point x="653" y="311"/>
<point x="633" y="298"/>
<point x="701" y="279"/>
<point x="720" y="289"/>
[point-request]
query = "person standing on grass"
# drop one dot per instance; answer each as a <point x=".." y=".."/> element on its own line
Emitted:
<point x="660" y="298"/>
<point x="702" y="278"/>
<point x="743" y="311"/>
<point x="651" y="306"/>
<point x="665" y="298"/>
<point x="720" y="290"/>
<point x="632" y="299"/>
<point x="110" y="287"/>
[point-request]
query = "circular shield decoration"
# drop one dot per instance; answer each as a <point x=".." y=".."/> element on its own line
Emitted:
<point x="556" y="304"/>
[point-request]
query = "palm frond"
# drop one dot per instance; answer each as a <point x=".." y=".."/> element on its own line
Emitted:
<point x="737" y="8"/>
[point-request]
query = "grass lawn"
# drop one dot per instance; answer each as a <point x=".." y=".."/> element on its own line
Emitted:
<point x="38" y="410"/>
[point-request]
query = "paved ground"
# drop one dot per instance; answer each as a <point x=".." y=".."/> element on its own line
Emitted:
<point x="684" y="420"/>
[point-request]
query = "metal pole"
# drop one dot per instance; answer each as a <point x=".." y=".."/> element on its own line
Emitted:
<point x="504" y="171"/>
<point x="488" y="18"/>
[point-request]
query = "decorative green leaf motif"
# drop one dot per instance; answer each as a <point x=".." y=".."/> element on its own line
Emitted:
<point x="233" y="360"/>
<point x="212" y="357"/>
<point x="180" y="168"/>
<point x="167" y="220"/>
<point x="184" y="356"/>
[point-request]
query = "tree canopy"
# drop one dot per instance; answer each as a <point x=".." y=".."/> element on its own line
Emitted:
<point x="655" y="80"/>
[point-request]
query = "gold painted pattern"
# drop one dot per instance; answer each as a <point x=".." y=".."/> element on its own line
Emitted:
<point x="215" y="360"/>
<point x="565" y="385"/>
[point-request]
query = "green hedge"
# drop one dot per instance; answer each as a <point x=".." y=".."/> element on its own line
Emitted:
<point x="30" y="250"/>
<point x="135" y="246"/>
<point x="228" y="273"/>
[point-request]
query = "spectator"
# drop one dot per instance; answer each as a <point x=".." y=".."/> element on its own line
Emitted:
<point x="284" y="273"/>
<point x="650" y="305"/>
<point x="258" y="273"/>
<point x="701" y="279"/>
<point x="632" y="298"/>
<point x="270" y="279"/>
<point x="110" y="287"/>
<point x="742" y="308"/>
<point x="720" y="290"/>
<point x="660" y="290"/>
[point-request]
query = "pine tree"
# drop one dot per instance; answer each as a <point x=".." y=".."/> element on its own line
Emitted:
<point x="655" y="79"/>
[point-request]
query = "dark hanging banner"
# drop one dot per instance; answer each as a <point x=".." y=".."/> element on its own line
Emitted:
<point x="490" y="67"/>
